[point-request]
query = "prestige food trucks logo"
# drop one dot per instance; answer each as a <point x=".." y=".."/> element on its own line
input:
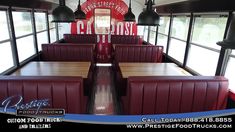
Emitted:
<point x="33" y="107"/>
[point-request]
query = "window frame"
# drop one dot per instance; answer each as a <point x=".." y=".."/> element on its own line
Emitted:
<point x="186" y="15"/>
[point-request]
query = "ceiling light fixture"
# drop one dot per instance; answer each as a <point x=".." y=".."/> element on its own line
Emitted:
<point x="149" y="17"/>
<point x="62" y="13"/>
<point x="129" y="16"/>
<point x="79" y="14"/>
<point x="229" y="42"/>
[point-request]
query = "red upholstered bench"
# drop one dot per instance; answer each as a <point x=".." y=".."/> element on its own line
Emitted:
<point x="134" y="53"/>
<point x="71" y="52"/>
<point x="80" y="38"/>
<point x="138" y="53"/>
<point x="126" y="39"/>
<point x="175" y="94"/>
<point x="62" y="92"/>
<point x="67" y="52"/>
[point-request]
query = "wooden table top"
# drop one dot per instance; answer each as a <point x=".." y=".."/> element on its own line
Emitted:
<point x="151" y="69"/>
<point x="54" y="69"/>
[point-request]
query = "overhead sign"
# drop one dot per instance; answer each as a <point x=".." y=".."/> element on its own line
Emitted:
<point x="117" y="25"/>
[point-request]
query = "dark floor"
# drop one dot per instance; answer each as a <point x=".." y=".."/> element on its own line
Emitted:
<point x="103" y="100"/>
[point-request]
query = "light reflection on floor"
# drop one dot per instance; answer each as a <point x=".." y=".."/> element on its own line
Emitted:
<point x="103" y="96"/>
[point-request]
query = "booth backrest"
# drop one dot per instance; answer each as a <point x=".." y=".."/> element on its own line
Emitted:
<point x="92" y="39"/>
<point x="138" y="53"/>
<point x="175" y="94"/>
<point x="63" y="92"/>
<point x="125" y="39"/>
<point x="67" y="52"/>
<point x="80" y="38"/>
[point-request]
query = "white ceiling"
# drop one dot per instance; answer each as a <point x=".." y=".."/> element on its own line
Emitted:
<point x="73" y="3"/>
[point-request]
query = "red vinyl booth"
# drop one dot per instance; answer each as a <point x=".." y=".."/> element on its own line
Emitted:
<point x="63" y="92"/>
<point x="175" y="94"/>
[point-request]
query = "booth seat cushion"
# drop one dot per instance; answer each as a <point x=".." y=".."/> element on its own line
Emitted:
<point x="62" y="92"/>
<point x="175" y="94"/>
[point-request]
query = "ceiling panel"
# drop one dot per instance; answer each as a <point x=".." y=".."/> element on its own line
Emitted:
<point x="137" y="5"/>
<point x="73" y="3"/>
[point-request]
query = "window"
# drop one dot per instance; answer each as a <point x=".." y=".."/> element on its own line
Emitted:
<point x="164" y="25"/>
<point x="24" y="34"/>
<point x="22" y="23"/>
<point x="5" y="45"/>
<point x="180" y="27"/>
<point x="207" y="30"/>
<point x="140" y="31"/>
<point x="51" y="24"/>
<point x="40" y="19"/>
<point x="64" y="28"/>
<point x="25" y="47"/>
<point x="163" y="30"/>
<point x="152" y="36"/>
<point x="207" y="59"/>
<point x="3" y="28"/>
<point x="42" y="39"/>
<point x="41" y="27"/>
<point x="146" y="33"/>
<point x="53" y="37"/>
<point x="52" y="30"/>
<point x="5" y="56"/>
<point x="177" y="49"/>
<point x="230" y="71"/>
<point x="162" y="40"/>
<point x="178" y="38"/>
